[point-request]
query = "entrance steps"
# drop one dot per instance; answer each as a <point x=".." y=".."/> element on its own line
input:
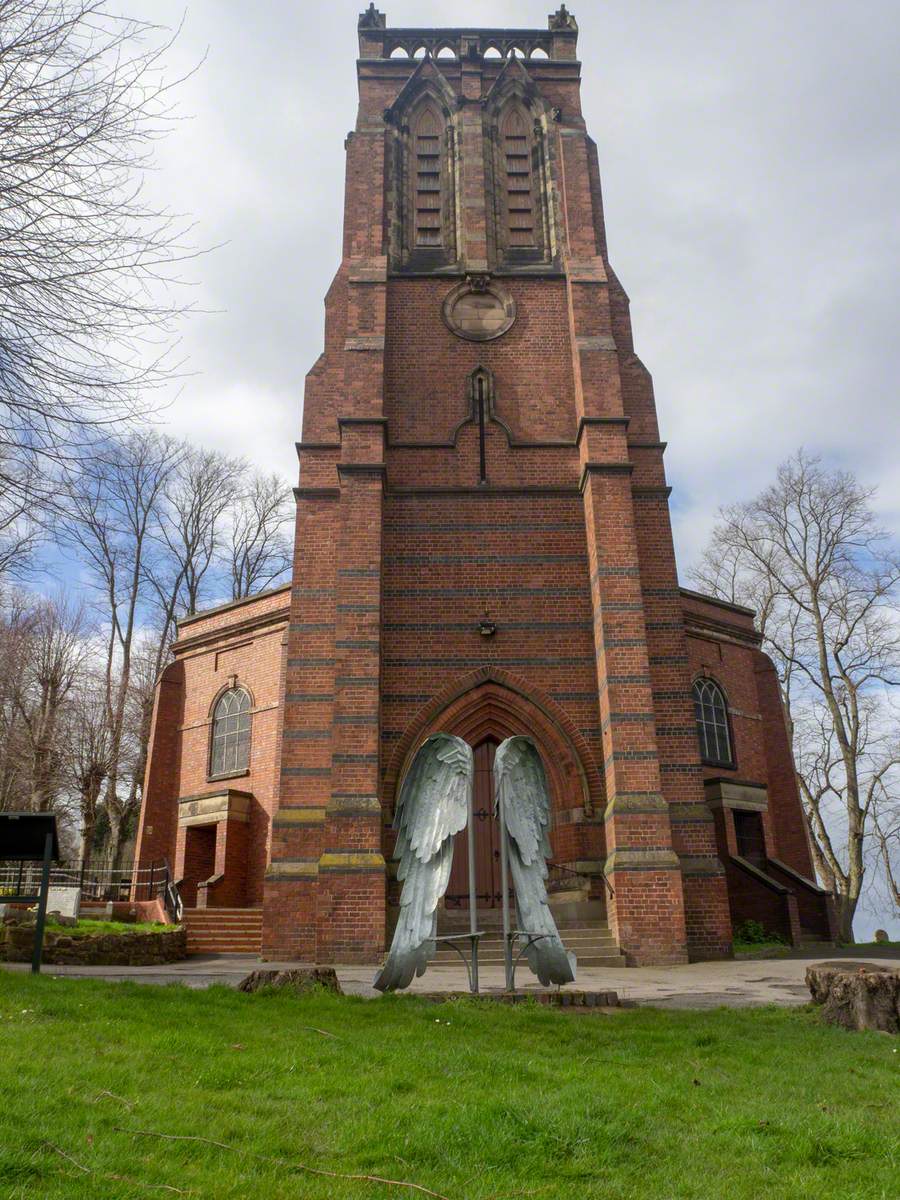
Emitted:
<point x="223" y="930"/>
<point x="593" y="946"/>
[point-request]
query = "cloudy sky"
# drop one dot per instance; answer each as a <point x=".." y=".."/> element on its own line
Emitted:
<point x="750" y="163"/>
<point x="749" y="153"/>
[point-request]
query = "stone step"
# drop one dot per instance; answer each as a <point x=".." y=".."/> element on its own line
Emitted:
<point x="612" y="959"/>
<point x="495" y="952"/>
<point x="229" y="942"/>
<point x="224" y="944"/>
<point x="231" y="920"/>
<point x="235" y="927"/>
<point x="495" y="944"/>
<point x="564" y="931"/>
<point x="199" y="913"/>
<point x="223" y="930"/>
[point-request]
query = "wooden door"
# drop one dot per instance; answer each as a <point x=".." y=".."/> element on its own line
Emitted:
<point x="487" y="842"/>
<point x="750" y="838"/>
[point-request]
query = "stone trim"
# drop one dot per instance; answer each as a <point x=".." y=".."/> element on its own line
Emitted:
<point x="631" y="802"/>
<point x="700" y="864"/>
<point x="346" y="806"/>
<point x="225" y="805"/>
<point x="286" y="818"/>
<point x="628" y="859"/>
<point x="290" y="870"/>
<point x="736" y="793"/>
<point x="361" y="863"/>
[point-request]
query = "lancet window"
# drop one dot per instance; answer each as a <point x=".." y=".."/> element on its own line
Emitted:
<point x="428" y="179"/>
<point x="517" y="152"/>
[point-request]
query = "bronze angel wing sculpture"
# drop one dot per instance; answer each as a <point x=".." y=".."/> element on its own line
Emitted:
<point x="522" y="802"/>
<point x="433" y="807"/>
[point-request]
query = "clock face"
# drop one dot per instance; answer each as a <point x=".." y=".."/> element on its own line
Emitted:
<point x="479" y="311"/>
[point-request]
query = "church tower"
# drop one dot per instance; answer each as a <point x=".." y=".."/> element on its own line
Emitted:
<point x="483" y="548"/>
<point x="483" y="543"/>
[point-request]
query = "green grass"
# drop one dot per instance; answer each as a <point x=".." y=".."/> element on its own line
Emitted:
<point x="769" y="949"/>
<point x="88" y="926"/>
<point x="472" y="1100"/>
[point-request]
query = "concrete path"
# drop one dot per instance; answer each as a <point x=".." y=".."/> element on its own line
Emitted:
<point x="734" y="984"/>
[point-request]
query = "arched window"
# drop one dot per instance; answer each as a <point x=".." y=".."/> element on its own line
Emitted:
<point x="427" y="171"/>
<point x="521" y="232"/>
<point x="711" y="714"/>
<point x="229" y="749"/>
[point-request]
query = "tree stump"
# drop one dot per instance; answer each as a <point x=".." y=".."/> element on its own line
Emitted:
<point x="300" y="980"/>
<point x="857" y="995"/>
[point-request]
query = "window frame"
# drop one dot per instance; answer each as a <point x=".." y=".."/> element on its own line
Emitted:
<point x="230" y="771"/>
<point x="701" y="725"/>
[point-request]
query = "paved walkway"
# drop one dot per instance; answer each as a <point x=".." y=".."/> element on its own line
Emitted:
<point x="736" y="984"/>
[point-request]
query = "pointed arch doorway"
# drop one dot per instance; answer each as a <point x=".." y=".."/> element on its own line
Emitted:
<point x="487" y="843"/>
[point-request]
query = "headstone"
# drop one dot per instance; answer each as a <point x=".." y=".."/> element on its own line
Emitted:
<point x="881" y="935"/>
<point x="64" y="900"/>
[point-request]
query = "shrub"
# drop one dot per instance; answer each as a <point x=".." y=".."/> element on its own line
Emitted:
<point x="754" y="934"/>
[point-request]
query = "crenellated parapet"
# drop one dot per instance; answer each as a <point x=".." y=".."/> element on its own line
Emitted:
<point x="558" y="41"/>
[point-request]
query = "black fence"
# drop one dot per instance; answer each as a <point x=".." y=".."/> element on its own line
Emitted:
<point x="97" y="883"/>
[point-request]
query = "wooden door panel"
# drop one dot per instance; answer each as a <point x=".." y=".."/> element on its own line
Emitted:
<point x="487" y="842"/>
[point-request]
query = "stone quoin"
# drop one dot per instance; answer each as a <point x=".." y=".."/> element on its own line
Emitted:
<point x="483" y="547"/>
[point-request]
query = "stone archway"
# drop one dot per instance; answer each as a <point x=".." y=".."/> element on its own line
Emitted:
<point x="495" y="705"/>
<point x="484" y="708"/>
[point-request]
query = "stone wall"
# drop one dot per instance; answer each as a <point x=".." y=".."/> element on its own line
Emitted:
<point x="138" y="949"/>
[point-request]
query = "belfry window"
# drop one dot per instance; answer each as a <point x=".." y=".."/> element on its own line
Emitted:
<point x="229" y="750"/>
<point x="428" y="179"/>
<point x="711" y="714"/>
<point x="516" y="148"/>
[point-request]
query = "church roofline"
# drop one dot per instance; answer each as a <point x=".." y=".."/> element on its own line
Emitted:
<point x="718" y="602"/>
<point x="232" y="604"/>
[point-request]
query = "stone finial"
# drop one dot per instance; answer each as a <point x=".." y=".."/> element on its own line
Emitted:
<point x="372" y="19"/>
<point x="562" y="19"/>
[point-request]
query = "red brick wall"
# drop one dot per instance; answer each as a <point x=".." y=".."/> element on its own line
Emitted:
<point x="242" y="641"/>
<point x="724" y="647"/>
<point x="401" y="548"/>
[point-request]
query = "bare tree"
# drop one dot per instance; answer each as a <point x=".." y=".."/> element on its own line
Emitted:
<point x="199" y="494"/>
<point x="114" y="504"/>
<point x="55" y="653"/>
<point x="85" y="316"/>
<point x="20" y="500"/>
<point x="16" y="616"/>
<point x="85" y="752"/>
<point x="809" y="556"/>
<point x="259" y="551"/>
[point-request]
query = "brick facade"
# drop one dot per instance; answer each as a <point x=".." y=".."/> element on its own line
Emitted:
<point x="451" y="482"/>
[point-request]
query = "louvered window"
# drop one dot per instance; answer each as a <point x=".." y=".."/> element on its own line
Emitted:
<point x="427" y="190"/>
<point x="516" y="144"/>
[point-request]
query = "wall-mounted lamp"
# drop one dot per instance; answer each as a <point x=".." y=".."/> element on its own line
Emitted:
<point x="486" y="626"/>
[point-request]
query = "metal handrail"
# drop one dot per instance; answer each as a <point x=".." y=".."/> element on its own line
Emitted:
<point x="102" y="882"/>
<point x="590" y="875"/>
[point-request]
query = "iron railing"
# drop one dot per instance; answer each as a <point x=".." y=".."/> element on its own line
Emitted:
<point x="561" y="878"/>
<point x="97" y="882"/>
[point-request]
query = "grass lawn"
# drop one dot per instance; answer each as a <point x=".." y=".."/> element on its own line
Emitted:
<point x="767" y="949"/>
<point x="88" y="926"/>
<point x="471" y="1100"/>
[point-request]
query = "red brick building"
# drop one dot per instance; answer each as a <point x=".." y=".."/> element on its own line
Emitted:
<point x="483" y="547"/>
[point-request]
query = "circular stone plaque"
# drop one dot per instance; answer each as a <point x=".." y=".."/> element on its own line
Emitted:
<point x="479" y="309"/>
